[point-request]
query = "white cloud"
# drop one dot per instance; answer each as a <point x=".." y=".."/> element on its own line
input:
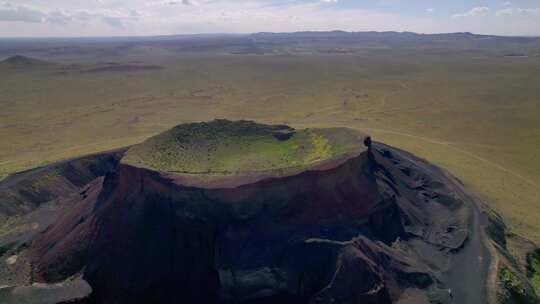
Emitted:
<point x="182" y="2"/>
<point x="518" y="11"/>
<point x="505" y="12"/>
<point x="22" y="13"/>
<point x="165" y="3"/>
<point x="29" y="14"/>
<point x="58" y="17"/>
<point x="430" y="10"/>
<point x="475" y="12"/>
<point x="507" y="3"/>
<point x="329" y="1"/>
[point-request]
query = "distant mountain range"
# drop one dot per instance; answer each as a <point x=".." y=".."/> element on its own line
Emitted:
<point x="300" y="34"/>
<point x="264" y="43"/>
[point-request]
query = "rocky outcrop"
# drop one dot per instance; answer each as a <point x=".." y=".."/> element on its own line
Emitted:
<point x="25" y="191"/>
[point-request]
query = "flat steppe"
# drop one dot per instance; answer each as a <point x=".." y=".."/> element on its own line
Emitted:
<point x="473" y="112"/>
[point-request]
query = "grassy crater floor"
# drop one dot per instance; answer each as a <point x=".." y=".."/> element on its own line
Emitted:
<point x="223" y="146"/>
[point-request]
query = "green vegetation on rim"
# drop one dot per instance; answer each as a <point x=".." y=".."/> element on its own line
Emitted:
<point x="223" y="146"/>
<point x="514" y="290"/>
<point x="534" y="270"/>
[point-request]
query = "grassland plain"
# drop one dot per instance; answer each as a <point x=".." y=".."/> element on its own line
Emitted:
<point x="475" y="113"/>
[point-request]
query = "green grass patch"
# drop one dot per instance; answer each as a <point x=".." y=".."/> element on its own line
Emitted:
<point x="46" y="180"/>
<point x="511" y="281"/>
<point x="223" y="146"/>
<point x="513" y="287"/>
<point x="533" y="262"/>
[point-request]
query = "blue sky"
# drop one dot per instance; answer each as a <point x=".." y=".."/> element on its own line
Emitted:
<point x="163" y="17"/>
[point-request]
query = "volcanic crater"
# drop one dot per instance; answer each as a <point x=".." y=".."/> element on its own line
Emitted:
<point x="241" y="212"/>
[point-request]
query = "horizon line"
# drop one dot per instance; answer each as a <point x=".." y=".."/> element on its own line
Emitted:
<point x="255" y="33"/>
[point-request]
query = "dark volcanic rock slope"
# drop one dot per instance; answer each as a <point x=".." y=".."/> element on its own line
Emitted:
<point x="375" y="227"/>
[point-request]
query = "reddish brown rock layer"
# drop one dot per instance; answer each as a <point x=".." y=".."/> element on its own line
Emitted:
<point x="141" y="229"/>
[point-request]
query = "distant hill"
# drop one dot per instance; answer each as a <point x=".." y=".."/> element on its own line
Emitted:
<point x="388" y="34"/>
<point x="365" y="34"/>
<point x="408" y="39"/>
<point x="20" y="61"/>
